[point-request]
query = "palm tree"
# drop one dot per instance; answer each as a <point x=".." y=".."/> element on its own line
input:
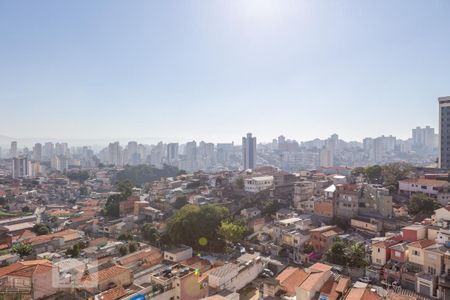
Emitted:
<point x="356" y="254"/>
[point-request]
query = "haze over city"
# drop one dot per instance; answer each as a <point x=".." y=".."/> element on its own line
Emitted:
<point x="217" y="69"/>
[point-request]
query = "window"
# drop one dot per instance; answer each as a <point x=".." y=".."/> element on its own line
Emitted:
<point x="416" y="253"/>
<point x="397" y="254"/>
<point x="378" y="250"/>
<point x="431" y="271"/>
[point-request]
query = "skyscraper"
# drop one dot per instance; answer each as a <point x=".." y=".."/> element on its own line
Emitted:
<point x="249" y="151"/>
<point x="444" y="132"/>
<point x="13" y="149"/>
<point x="172" y="153"/>
<point x="114" y="154"/>
<point x="37" y="152"/>
<point x="20" y="167"/>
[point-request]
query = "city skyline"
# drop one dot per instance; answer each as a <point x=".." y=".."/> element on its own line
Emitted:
<point x="215" y="70"/>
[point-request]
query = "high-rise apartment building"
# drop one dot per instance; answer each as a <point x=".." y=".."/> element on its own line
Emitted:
<point x="444" y="132"/>
<point x="172" y="153"/>
<point x="48" y="151"/>
<point x="13" y="150"/>
<point x="249" y="151"/>
<point x="37" y="152"/>
<point x="115" y="154"/>
<point x="20" y="167"/>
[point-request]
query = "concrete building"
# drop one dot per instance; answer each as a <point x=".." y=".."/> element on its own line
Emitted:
<point x="249" y="151"/>
<point x="326" y="157"/>
<point x="172" y="153"/>
<point x="20" y="167"/>
<point x="37" y="152"/>
<point x="258" y="184"/>
<point x="13" y="152"/>
<point x="444" y="132"/>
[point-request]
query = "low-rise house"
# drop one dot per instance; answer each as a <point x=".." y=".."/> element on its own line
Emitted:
<point x="416" y="255"/>
<point x="235" y="276"/>
<point x="323" y="237"/>
<point x="381" y="252"/>
<point x="141" y="259"/>
<point x="172" y="282"/>
<point x="178" y="254"/>
<point x="34" y="279"/>
<point x="414" y="232"/>
<point x="368" y="225"/>
<point x="250" y="213"/>
<point x="430" y="187"/>
<point x="318" y="274"/>
<point x="101" y="280"/>
<point x="55" y="241"/>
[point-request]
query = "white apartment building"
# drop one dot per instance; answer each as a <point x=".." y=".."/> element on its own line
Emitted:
<point x="258" y="184"/>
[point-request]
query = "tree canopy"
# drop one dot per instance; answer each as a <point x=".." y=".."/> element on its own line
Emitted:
<point x="232" y="232"/>
<point x="112" y="206"/>
<point x="345" y="254"/>
<point x="80" y="176"/>
<point x="40" y="229"/>
<point x="22" y="249"/>
<point x="197" y="226"/>
<point x="421" y="203"/>
<point x="142" y="174"/>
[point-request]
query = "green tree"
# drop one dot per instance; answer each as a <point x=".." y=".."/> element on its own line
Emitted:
<point x="232" y="232"/>
<point x="126" y="237"/>
<point x="374" y="174"/>
<point x="2" y="200"/>
<point x="356" y="256"/>
<point x="123" y="250"/>
<point x="421" y="203"/>
<point x="132" y="247"/>
<point x="143" y="174"/>
<point x="74" y="251"/>
<point x="112" y="207"/>
<point x="22" y="249"/>
<point x="80" y="176"/>
<point x="40" y="229"/>
<point x="359" y="171"/>
<point x="125" y="188"/>
<point x="83" y="191"/>
<point x="308" y="248"/>
<point x="337" y="253"/>
<point x="180" y="202"/>
<point x="193" y="225"/>
<point x="240" y="182"/>
<point x="25" y="209"/>
<point x="394" y="172"/>
<point x="150" y="233"/>
<point x="270" y="207"/>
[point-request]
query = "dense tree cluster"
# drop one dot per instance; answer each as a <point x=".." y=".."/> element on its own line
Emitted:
<point x="345" y="254"/>
<point x="112" y="206"/>
<point x="232" y="232"/>
<point x="80" y="176"/>
<point x="389" y="174"/>
<point x="421" y="203"/>
<point x="143" y="174"/>
<point x="40" y="229"/>
<point x="197" y="227"/>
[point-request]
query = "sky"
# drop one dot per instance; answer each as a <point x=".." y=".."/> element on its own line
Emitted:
<point x="215" y="70"/>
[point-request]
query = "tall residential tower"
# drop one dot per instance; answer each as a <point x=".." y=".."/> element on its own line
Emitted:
<point x="249" y="151"/>
<point x="444" y="132"/>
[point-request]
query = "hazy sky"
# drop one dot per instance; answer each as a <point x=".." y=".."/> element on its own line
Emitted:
<point x="215" y="70"/>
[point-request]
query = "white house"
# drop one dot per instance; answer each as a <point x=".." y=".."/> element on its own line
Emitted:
<point x="258" y="184"/>
<point x="430" y="187"/>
